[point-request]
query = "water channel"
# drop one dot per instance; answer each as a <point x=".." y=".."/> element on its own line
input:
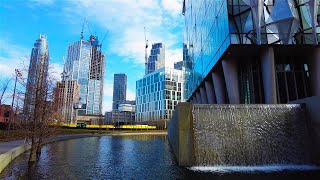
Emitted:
<point x="134" y="157"/>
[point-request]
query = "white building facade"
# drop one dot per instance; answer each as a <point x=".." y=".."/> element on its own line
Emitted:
<point x="158" y="93"/>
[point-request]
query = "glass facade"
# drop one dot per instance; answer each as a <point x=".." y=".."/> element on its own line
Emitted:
<point x="85" y="64"/>
<point x="211" y="27"/>
<point x="206" y="35"/>
<point x="96" y="82"/>
<point x="156" y="59"/>
<point x="158" y="93"/>
<point x="119" y="90"/>
<point x="37" y="73"/>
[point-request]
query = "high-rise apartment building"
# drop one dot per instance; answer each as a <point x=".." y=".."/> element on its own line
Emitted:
<point x="252" y="52"/>
<point x="119" y="90"/>
<point x="85" y="65"/>
<point x="158" y="93"/>
<point x="66" y="97"/>
<point x="37" y="76"/>
<point x="156" y="59"/>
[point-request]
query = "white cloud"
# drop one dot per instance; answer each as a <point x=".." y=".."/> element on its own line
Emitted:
<point x="173" y="56"/>
<point x="174" y="7"/>
<point x="55" y="70"/>
<point x="131" y="95"/>
<point x="12" y="57"/>
<point x="106" y="104"/>
<point x="107" y="88"/>
<point x="126" y="20"/>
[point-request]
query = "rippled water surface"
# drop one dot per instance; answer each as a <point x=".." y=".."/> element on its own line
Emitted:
<point x="129" y="157"/>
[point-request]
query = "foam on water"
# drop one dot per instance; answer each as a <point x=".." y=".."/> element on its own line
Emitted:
<point x="266" y="168"/>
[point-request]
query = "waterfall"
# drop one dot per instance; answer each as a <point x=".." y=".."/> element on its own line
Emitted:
<point x="250" y="135"/>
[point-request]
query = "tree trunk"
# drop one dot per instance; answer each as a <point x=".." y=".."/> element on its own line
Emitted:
<point x="32" y="156"/>
<point x="39" y="145"/>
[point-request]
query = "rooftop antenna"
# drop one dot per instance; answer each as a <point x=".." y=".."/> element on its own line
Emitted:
<point x="146" y="51"/>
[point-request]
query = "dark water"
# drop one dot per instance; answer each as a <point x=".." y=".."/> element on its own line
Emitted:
<point x="131" y="157"/>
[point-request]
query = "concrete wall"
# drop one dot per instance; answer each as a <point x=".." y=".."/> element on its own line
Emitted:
<point x="312" y="105"/>
<point x="180" y="134"/>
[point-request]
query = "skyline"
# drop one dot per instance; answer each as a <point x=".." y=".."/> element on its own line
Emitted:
<point x="63" y="22"/>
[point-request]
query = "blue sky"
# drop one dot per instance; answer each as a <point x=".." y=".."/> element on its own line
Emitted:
<point x="21" y="22"/>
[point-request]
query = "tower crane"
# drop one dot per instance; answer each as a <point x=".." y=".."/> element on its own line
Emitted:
<point x="146" y="51"/>
<point x="103" y="39"/>
<point x="81" y="36"/>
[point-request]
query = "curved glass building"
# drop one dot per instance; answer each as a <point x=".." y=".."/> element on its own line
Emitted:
<point x="37" y="75"/>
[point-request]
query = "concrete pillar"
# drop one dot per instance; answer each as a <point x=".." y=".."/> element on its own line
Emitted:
<point x="230" y="71"/>
<point x="211" y="97"/>
<point x="315" y="72"/>
<point x="269" y="75"/>
<point x="198" y="96"/>
<point x="219" y="87"/>
<point x="203" y="94"/>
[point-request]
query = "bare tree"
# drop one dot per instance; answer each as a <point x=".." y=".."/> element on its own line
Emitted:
<point x="38" y="115"/>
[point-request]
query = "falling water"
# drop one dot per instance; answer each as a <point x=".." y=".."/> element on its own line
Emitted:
<point x="250" y="135"/>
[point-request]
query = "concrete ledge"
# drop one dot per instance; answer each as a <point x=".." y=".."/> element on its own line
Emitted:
<point x="9" y="156"/>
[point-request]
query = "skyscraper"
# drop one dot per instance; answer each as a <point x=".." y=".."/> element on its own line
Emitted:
<point x="96" y="79"/>
<point x="119" y="90"/>
<point x="156" y="59"/>
<point x="37" y="75"/>
<point x="85" y="65"/>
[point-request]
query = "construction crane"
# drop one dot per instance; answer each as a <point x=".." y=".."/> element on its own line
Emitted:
<point x="89" y="28"/>
<point x="81" y="36"/>
<point x="100" y="45"/>
<point x="146" y="51"/>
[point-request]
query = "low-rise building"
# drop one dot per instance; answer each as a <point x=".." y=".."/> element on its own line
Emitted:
<point x="5" y="113"/>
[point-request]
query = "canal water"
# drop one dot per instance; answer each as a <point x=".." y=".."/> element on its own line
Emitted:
<point x="134" y="157"/>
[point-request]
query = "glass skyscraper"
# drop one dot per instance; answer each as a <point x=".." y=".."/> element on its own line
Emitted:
<point x="119" y="90"/>
<point x="251" y="51"/>
<point x="37" y="74"/>
<point x="156" y="59"/>
<point x="85" y="65"/>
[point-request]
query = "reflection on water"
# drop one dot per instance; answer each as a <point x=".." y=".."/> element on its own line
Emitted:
<point x="123" y="157"/>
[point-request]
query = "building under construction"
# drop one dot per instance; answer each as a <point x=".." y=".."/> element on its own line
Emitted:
<point x="84" y="68"/>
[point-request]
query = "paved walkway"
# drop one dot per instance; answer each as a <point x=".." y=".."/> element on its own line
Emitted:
<point x="7" y="146"/>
